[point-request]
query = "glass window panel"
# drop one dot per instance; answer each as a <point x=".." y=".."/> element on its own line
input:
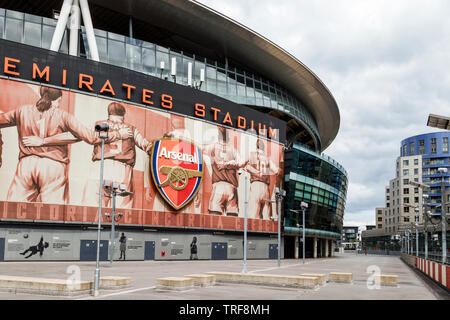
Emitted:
<point x="116" y="36"/>
<point x="221" y="82"/>
<point x="162" y="49"/>
<point x="47" y="34"/>
<point x="211" y="82"/>
<point x="148" y="45"/>
<point x="179" y="67"/>
<point x="33" y="18"/>
<point x="240" y="79"/>
<point x="64" y="48"/>
<point x="116" y="53"/>
<point x="241" y="90"/>
<point x="14" y="29"/>
<point x="162" y="56"/>
<point x="232" y="88"/>
<point x="14" y="14"/>
<point x="250" y="95"/>
<point x="100" y="33"/>
<point x="102" y="47"/>
<point x="249" y="82"/>
<point x="32" y="34"/>
<point x="2" y="12"/>
<point x="148" y="60"/>
<point x="299" y="194"/>
<point x="197" y="67"/>
<point x="134" y="57"/>
<point x="48" y="21"/>
<point x="2" y="21"/>
<point x="221" y="75"/>
<point x="185" y="70"/>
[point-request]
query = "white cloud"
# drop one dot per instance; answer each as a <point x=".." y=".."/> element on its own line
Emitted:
<point x="386" y="64"/>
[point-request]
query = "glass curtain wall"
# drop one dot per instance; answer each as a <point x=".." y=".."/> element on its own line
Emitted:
<point x="220" y="79"/>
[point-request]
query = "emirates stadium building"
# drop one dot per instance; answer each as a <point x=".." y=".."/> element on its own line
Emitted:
<point x="166" y="124"/>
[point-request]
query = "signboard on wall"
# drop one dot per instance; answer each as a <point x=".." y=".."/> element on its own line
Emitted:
<point x="21" y="61"/>
<point x="51" y="155"/>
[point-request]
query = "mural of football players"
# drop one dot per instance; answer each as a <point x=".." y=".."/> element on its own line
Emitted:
<point x="225" y="163"/>
<point x="119" y="157"/>
<point x="41" y="173"/>
<point x="260" y="167"/>
<point x="1" y="145"/>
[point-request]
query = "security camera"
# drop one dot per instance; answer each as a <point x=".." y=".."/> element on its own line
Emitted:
<point x="303" y="205"/>
<point x="101" y="127"/>
<point x="120" y="214"/>
<point x="107" y="184"/>
<point x="115" y="185"/>
<point x="122" y="187"/>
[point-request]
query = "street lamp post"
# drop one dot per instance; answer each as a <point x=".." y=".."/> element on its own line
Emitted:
<point x="441" y="122"/>
<point x="111" y="189"/>
<point x="279" y="193"/>
<point x="102" y="130"/>
<point x="425" y="213"/>
<point x="425" y="225"/>
<point x="443" y="171"/>
<point x="244" y="270"/>
<point x="303" y="206"/>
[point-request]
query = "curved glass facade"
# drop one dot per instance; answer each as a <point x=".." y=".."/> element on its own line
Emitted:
<point x="319" y="181"/>
<point x="221" y="79"/>
<point x="434" y="148"/>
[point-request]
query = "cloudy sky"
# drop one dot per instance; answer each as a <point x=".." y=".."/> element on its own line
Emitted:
<point x="387" y="64"/>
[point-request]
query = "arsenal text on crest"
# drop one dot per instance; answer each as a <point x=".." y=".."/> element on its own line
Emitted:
<point x="178" y="156"/>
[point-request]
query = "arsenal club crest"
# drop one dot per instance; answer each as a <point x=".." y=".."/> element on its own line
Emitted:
<point x="177" y="170"/>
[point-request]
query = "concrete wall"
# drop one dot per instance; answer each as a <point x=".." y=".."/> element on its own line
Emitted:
<point x="64" y="243"/>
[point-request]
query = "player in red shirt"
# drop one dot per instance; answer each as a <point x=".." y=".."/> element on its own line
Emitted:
<point x="225" y="163"/>
<point x="1" y="144"/>
<point x="41" y="173"/>
<point x="260" y="167"/>
<point x="119" y="156"/>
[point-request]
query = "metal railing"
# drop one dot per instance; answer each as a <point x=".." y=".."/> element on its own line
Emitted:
<point x="380" y="252"/>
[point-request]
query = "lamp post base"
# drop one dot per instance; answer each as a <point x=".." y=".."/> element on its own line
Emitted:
<point x="96" y="281"/>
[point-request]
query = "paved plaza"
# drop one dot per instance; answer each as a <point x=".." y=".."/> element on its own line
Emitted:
<point x="411" y="286"/>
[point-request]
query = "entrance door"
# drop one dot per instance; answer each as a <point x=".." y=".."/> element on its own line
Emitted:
<point x="273" y="251"/>
<point x="219" y="250"/>
<point x="149" y="250"/>
<point x="88" y="250"/>
<point x="2" y="249"/>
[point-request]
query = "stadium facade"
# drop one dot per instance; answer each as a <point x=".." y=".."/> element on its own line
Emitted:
<point x="203" y="113"/>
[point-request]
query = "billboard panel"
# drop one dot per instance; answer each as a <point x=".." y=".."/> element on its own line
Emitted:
<point x="50" y="163"/>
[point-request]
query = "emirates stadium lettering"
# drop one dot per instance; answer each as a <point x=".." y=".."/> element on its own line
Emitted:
<point x="111" y="85"/>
